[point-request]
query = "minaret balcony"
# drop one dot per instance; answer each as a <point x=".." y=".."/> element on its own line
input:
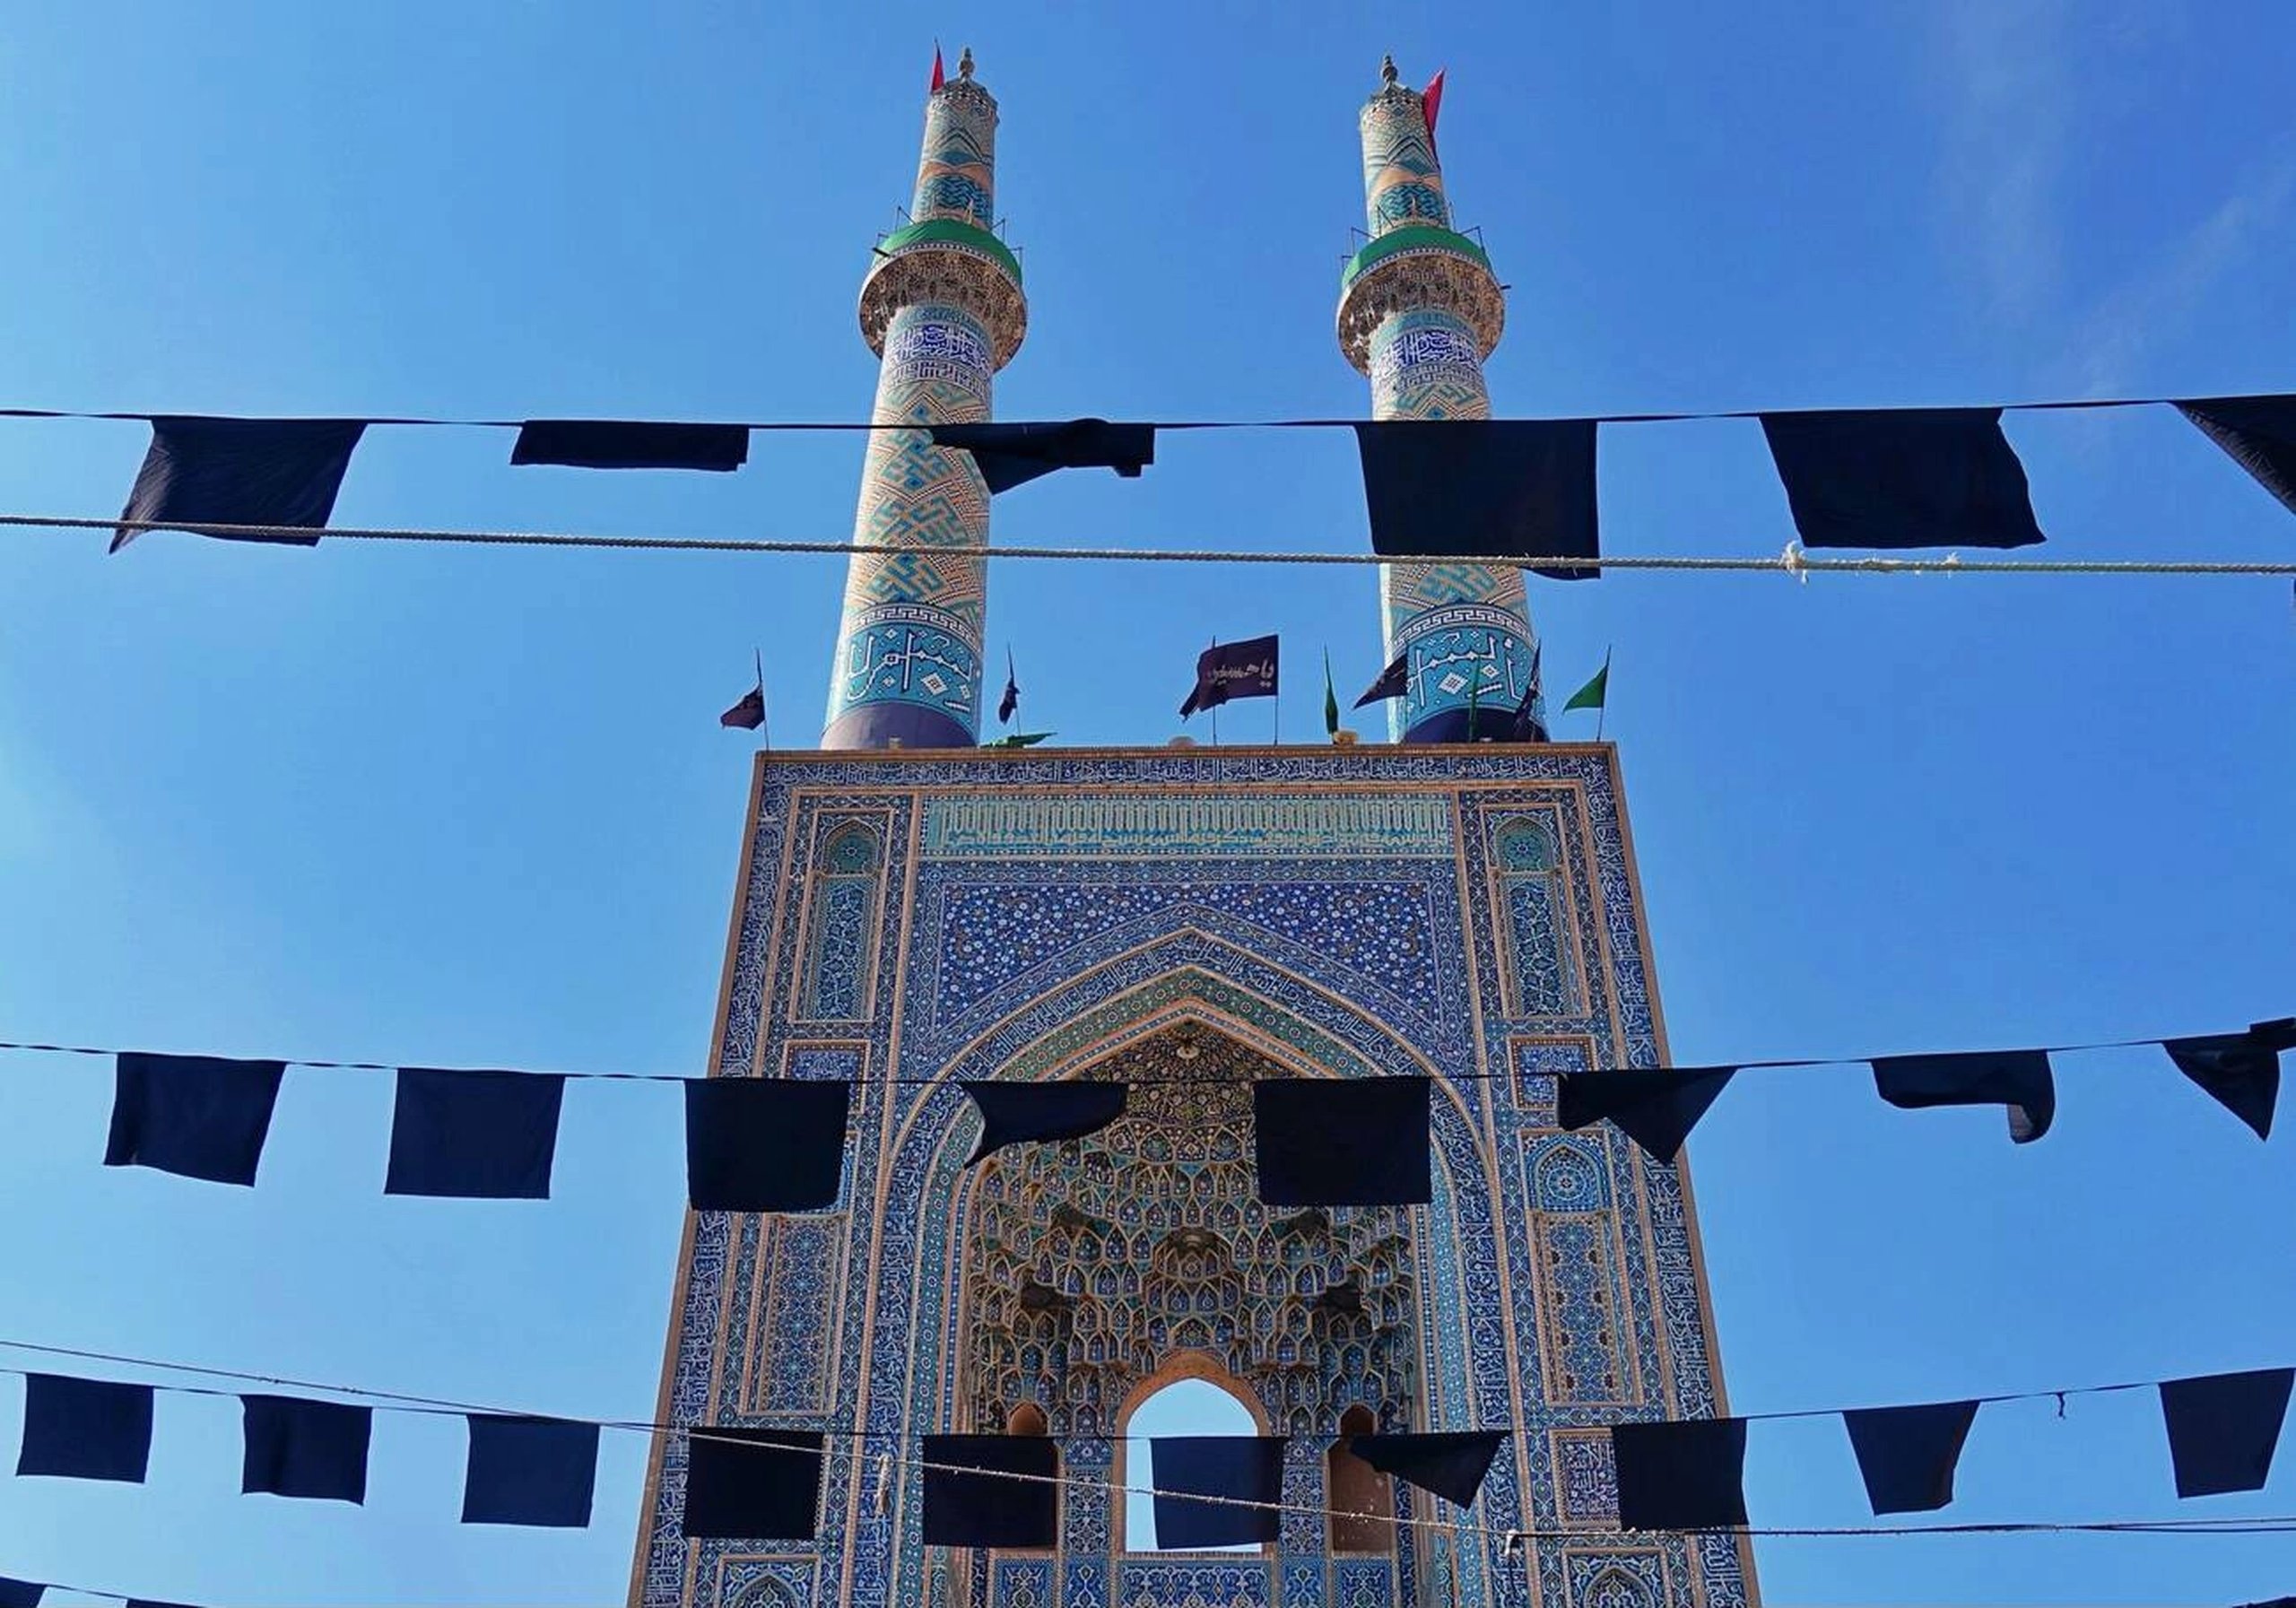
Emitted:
<point x="1418" y="266"/>
<point x="951" y="262"/>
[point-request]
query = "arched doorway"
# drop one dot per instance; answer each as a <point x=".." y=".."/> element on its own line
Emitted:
<point x="1092" y="1265"/>
<point x="1362" y="1500"/>
<point x="1196" y="1403"/>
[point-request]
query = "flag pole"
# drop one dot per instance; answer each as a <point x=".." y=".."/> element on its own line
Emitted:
<point x="1602" y="712"/>
<point x="1215" y="710"/>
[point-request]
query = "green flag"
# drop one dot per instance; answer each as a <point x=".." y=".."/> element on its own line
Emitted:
<point x="1591" y="695"/>
<point x="1331" y="700"/>
<point x="1019" y="740"/>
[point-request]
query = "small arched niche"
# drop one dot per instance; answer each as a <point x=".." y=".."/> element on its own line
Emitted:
<point x="1362" y="1500"/>
<point x="1027" y="1418"/>
<point x="1189" y="1395"/>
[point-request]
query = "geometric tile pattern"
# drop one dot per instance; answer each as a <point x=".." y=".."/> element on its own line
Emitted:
<point x="1551" y="1284"/>
<point x="1401" y="180"/>
<point x="1466" y="628"/>
<point x="956" y="167"/>
<point x="912" y="622"/>
<point x="910" y="632"/>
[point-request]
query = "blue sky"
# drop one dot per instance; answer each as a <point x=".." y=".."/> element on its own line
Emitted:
<point x="422" y="804"/>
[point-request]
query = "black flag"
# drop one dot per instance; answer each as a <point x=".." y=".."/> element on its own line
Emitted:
<point x="752" y="1484"/>
<point x="1903" y="477"/>
<point x="1505" y="487"/>
<point x="1013" y="455"/>
<point x="1010" y="701"/>
<point x="2258" y="433"/>
<point x="1681" y="1475"/>
<point x="1451" y="1465"/>
<point x="2240" y="1071"/>
<point x="1393" y="682"/>
<point x="1655" y="1107"/>
<point x="1238" y="670"/>
<point x="1907" y="1455"/>
<point x="628" y="444"/>
<point x="275" y="472"/>
<point x="1215" y="1491"/>
<point x="1234" y="671"/>
<point x="529" y="1471"/>
<point x="1020" y="1113"/>
<point x="749" y="714"/>
<point x="2018" y="1079"/>
<point x="2222" y="1428"/>
<point x="197" y="1115"/>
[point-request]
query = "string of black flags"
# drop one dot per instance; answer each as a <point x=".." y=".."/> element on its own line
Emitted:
<point x="1873" y="478"/>
<point x="763" y="1483"/>
<point x="777" y="1145"/>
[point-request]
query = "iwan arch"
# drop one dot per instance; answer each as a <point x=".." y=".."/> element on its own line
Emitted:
<point x="913" y="910"/>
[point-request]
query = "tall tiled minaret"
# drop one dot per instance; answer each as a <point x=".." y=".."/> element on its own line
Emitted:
<point x="942" y="307"/>
<point x="1419" y="310"/>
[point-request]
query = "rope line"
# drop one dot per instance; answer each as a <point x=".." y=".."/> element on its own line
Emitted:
<point x="2080" y="404"/>
<point x="95" y="1052"/>
<point x="1794" y="560"/>
<point x="853" y="1442"/>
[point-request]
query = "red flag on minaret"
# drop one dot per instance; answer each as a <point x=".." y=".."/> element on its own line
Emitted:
<point x="1430" y="101"/>
<point x="937" y="66"/>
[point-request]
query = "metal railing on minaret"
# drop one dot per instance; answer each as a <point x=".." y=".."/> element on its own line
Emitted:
<point x="1419" y="310"/>
<point x="942" y="307"/>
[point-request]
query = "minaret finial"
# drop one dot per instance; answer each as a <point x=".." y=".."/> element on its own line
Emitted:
<point x="964" y="63"/>
<point x="1387" y="71"/>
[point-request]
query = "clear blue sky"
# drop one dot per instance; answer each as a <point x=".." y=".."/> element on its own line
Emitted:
<point x="431" y="805"/>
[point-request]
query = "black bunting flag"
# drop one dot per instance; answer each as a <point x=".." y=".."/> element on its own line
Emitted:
<point x="541" y="1472"/>
<point x="764" y="1145"/>
<point x="1451" y="1465"/>
<point x="2222" y="1428"/>
<point x="752" y="1484"/>
<point x="1681" y="1475"/>
<point x="482" y="1136"/>
<point x="1657" y="1109"/>
<point x="628" y="444"/>
<point x="2257" y="432"/>
<point x="1907" y="1455"/>
<point x="1009" y="699"/>
<point x="1505" y="488"/>
<point x="1013" y="455"/>
<point x="2240" y="1071"/>
<point x="85" y="1428"/>
<point x="1187" y="1469"/>
<point x="1019" y="1113"/>
<point x="2018" y="1079"/>
<point x="20" y="1593"/>
<point x="304" y="1448"/>
<point x="1902" y="477"/>
<point x="991" y="1491"/>
<point x="194" y="1116"/>
<point x="748" y="711"/>
<point x="1395" y="681"/>
<point x="1346" y="1141"/>
<point x="1232" y="669"/>
<point x="277" y="471"/>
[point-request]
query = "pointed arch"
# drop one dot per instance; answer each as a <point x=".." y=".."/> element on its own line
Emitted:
<point x="1535" y="917"/>
<point x="1360" y="1499"/>
<point x="840" y="914"/>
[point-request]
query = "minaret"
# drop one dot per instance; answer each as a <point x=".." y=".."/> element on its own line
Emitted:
<point x="942" y="307"/>
<point x="1419" y="310"/>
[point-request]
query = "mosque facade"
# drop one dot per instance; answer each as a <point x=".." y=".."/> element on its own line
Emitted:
<point x="913" y="910"/>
